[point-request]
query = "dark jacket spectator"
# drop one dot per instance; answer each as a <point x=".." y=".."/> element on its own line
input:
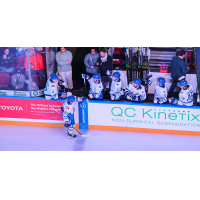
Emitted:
<point x="7" y="62"/>
<point x="178" y="70"/>
<point x="90" y="62"/>
<point x="105" y="63"/>
<point x="178" y="67"/>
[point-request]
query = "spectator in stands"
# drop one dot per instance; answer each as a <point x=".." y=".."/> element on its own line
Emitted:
<point x="21" y="50"/>
<point x="90" y="62"/>
<point x="34" y="84"/>
<point x="105" y="63"/>
<point x="7" y="61"/>
<point x="64" y="60"/>
<point x="18" y="80"/>
<point x="36" y="63"/>
<point x="178" y="70"/>
<point x="50" y="61"/>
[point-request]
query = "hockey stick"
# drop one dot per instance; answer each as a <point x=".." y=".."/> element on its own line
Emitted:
<point x="61" y="116"/>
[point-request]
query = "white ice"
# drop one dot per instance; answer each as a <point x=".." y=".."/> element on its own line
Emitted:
<point x="19" y="138"/>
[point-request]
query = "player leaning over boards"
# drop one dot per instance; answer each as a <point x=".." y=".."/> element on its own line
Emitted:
<point x="160" y="94"/>
<point x="51" y="90"/>
<point x="96" y="86"/>
<point x="68" y="115"/>
<point x="116" y="86"/>
<point x="135" y="91"/>
<point x="185" y="95"/>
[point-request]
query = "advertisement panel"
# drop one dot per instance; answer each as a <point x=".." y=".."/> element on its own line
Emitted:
<point x="14" y="93"/>
<point x="83" y="114"/>
<point x="144" y="116"/>
<point x="32" y="109"/>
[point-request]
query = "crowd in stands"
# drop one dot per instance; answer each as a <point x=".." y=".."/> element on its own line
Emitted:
<point x="14" y="62"/>
<point x="14" y="67"/>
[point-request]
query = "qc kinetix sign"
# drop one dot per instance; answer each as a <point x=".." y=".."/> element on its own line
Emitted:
<point x="141" y="116"/>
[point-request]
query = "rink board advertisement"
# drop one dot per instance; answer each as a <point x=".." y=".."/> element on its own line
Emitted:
<point x="32" y="109"/>
<point x="21" y="93"/>
<point x="83" y="114"/>
<point x="142" y="116"/>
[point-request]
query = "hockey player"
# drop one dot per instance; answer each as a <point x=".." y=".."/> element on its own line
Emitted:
<point x="68" y="115"/>
<point x="96" y="86"/>
<point x="135" y="91"/>
<point x="185" y="95"/>
<point x="51" y="90"/>
<point x="116" y="86"/>
<point x="160" y="94"/>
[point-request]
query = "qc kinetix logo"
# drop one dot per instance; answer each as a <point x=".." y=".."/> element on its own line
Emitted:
<point x="149" y="114"/>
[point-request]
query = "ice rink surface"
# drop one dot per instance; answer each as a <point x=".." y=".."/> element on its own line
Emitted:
<point x="24" y="138"/>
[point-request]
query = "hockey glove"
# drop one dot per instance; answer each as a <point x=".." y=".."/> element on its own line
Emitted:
<point x="85" y="76"/>
<point x="90" y="96"/>
<point x="173" y="101"/>
<point x="129" y="96"/>
<point x="109" y="73"/>
<point x="67" y="124"/>
<point x="135" y="98"/>
<point x="84" y="99"/>
<point x="148" y="82"/>
<point x="112" y="97"/>
<point x="96" y="95"/>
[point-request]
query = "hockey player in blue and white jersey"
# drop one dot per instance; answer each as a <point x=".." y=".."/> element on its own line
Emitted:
<point x="185" y="95"/>
<point x="51" y="90"/>
<point x="135" y="91"/>
<point x="160" y="94"/>
<point x="116" y="86"/>
<point x="96" y="86"/>
<point x="68" y="115"/>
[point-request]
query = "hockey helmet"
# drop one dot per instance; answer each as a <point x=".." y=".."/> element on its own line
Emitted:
<point x="137" y="81"/>
<point x="183" y="83"/>
<point x="97" y="76"/>
<point x="161" y="80"/>
<point x="70" y="99"/>
<point x="116" y="74"/>
<point x="54" y="76"/>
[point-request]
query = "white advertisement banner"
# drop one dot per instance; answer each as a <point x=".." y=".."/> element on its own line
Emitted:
<point x="144" y="116"/>
<point x="21" y="93"/>
<point x="14" y="93"/>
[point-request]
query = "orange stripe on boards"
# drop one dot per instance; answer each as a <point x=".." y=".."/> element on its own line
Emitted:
<point x="144" y="130"/>
<point x="37" y="124"/>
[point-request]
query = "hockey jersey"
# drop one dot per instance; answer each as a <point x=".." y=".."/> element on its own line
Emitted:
<point x="67" y="109"/>
<point x="116" y="87"/>
<point x="95" y="88"/>
<point x="51" y="89"/>
<point x="186" y="96"/>
<point x="160" y="95"/>
<point x="140" y="93"/>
